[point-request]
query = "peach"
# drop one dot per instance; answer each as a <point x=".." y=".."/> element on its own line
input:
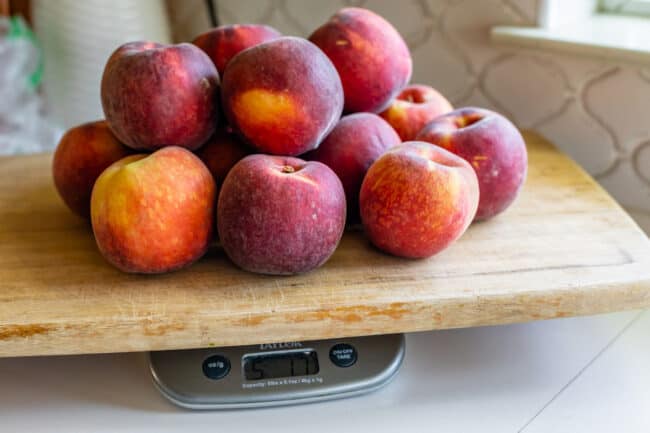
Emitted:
<point x="222" y="43"/>
<point x="280" y="215"/>
<point x="157" y="95"/>
<point x="413" y="108"/>
<point x="222" y="152"/>
<point x="80" y="157"/>
<point x="354" y="144"/>
<point x="417" y="199"/>
<point x="492" y="145"/>
<point x="154" y="213"/>
<point x="371" y="57"/>
<point x="282" y="96"/>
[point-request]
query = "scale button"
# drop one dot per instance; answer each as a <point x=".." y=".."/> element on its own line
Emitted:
<point x="343" y="355"/>
<point x="216" y="367"/>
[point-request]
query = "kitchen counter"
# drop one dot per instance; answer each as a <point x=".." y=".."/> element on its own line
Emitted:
<point x="588" y="374"/>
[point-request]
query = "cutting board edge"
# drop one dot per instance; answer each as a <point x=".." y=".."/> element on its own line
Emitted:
<point x="172" y="333"/>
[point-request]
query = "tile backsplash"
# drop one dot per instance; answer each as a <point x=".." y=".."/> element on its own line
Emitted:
<point x="596" y="111"/>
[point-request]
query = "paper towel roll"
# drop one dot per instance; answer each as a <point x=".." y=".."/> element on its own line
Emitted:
<point x="77" y="38"/>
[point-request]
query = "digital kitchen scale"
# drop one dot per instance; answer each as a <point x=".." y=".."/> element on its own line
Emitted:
<point x="276" y="374"/>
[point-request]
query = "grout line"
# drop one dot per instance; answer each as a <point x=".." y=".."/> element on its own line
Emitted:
<point x="583" y="369"/>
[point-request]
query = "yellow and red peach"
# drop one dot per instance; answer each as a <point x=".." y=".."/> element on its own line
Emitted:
<point x="371" y="57"/>
<point x="280" y="215"/>
<point x="282" y="96"/>
<point x="154" y="213"/>
<point x="417" y="199"/>
<point x="413" y="108"/>
<point x="222" y="152"/>
<point x="222" y="43"/>
<point x="157" y="95"/>
<point x="492" y="145"/>
<point x="80" y="157"/>
<point x="352" y="146"/>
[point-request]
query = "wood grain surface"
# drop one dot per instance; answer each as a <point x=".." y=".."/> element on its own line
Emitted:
<point x="565" y="248"/>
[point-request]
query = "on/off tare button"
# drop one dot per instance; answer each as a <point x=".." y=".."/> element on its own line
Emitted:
<point x="216" y="367"/>
<point x="343" y="355"/>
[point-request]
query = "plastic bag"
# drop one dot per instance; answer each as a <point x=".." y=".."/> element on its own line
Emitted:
<point x="23" y="126"/>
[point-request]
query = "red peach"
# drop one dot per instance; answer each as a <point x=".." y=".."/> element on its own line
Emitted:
<point x="222" y="43"/>
<point x="417" y="199"/>
<point x="413" y="108"/>
<point x="280" y="215"/>
<point x="222" y="152"/>
<point x="370" y="56"/>
<point x="492" y="145"/>
<point x="154" y="213"/>
<point x="82" y="154"/>
<point x="351" y="148"/>
<point x="157" y="95"/>
<point x="282" y="96"/>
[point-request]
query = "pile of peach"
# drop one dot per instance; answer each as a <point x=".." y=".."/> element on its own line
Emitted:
<point x="282" y="174"/>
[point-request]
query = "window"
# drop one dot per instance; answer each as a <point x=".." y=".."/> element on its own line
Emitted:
<point x="627" y="7"/>
<point x="607" y="29"/>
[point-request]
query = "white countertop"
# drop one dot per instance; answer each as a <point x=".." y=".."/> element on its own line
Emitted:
<point x="574" y="375"/>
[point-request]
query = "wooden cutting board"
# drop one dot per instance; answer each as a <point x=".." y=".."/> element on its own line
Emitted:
<point x="564" y="249"/>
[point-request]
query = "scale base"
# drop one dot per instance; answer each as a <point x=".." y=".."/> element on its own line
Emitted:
<point x="276" y="374"/>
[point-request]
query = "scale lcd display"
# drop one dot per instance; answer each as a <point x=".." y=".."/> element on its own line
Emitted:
<point x="277" y="365"/>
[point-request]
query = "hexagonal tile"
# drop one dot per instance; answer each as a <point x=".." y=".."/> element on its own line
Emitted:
<point x="310" y="15"/>
<point x="620" y="100"/>
<point x="436" y="64"/>
<point x="286" y="24"/>
<point x="641" y="218"/>
<point x="641" y="161"/>
<point x="475" y="98"/>
<point x="468" y="24"/>
<point x="414" y="19"/>
<point x="626" y="187"/>
<point x="581" y="138"/>
<point x="237" y="11"/>
<point x="526" y="9"/>
<point x="529" y="88"/>
<point x="577" y="69"/>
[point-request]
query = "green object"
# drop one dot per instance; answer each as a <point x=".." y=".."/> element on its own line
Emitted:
<point x="18" y="29"/>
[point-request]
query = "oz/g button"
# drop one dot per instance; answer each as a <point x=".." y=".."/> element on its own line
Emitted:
<point x="216" y="367"/>
<point x="343" y="355"/>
